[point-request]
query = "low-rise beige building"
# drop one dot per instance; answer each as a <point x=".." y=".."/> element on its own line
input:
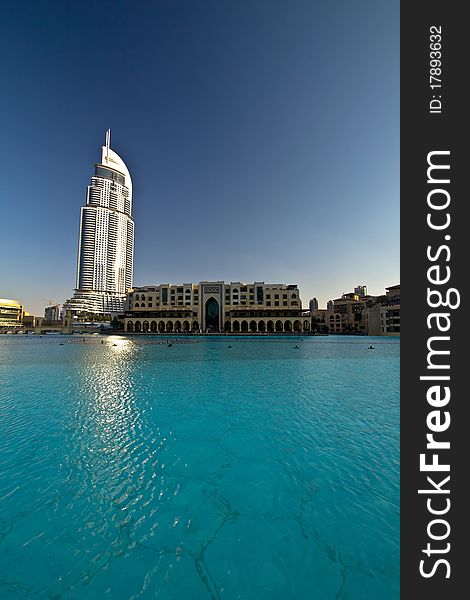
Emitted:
<point x="343" y="315"/>
<point x="383" y="315"/>
<point x="30" y="322"/>
<point x="216" y="306"/>
<point x="11" y="315"/>
<point x="356" y="314"/>
<point x="346" y="316"/>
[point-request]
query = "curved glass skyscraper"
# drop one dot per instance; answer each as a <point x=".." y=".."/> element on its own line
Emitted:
<point x="106" y="239"/>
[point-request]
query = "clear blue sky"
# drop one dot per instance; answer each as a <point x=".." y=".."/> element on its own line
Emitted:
<point x="262" y="136"/>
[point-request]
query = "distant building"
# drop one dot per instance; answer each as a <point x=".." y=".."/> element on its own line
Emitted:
<point x="345" y="316"/>
<point x="106" y="239"/>
<point x="216" y="306"/>
<point x="383" y="313"/>
<point x="356" y="314"/>
<point x="30" y="322"/>
<point x="11" y="315"/>
<point x="313" y="304"/>
<point x="361" y="291"/>
<point x="52" y="313"/>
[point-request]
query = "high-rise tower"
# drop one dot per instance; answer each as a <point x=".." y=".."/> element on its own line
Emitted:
<point x="106" y="239"/>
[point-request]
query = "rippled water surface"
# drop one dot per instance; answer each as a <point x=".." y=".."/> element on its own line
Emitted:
<point x="198" y="471"/>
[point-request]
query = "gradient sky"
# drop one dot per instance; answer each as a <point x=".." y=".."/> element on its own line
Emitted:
<point x="262" y="137"/>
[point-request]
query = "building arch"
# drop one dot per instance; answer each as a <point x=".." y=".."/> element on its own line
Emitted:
<point x="212" y="314"/>
<point x="306" y="325"/>
<point x="261" y="326"/>
<point x="195" y="326"/>
<point x="177" y="325"/>
<point x="253" y="326"/>
<point x="288" y="326"/>
<point x="136" y="305"/>
<point x="185" y="325"/>
<point x="227" y="327"/>
<point x="153" y="326"/>
<point x="138" y="326"/>
<point x="130" y="326"/>
<point x="244" y="326"/>
<point x="169" y="326"/>
<point x="270" y="326"/>
<point x="297" y="326"/>
<point x="145" y="326"/>
<point x="137" y="297"/>
<point x="161" y="326"/>
<point x="236" y="326"/>
<point x="279" y="326"/>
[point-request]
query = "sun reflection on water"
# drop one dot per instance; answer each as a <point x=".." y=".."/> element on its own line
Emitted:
<point x="120" y="343"/>
<point x="108" y="411"/>
<point x="113" y="448"/>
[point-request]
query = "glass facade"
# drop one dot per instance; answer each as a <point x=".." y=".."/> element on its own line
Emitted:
<point x="105" y="173"/>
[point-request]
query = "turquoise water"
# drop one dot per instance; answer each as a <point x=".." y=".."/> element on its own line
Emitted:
<point x="198" y="471"/>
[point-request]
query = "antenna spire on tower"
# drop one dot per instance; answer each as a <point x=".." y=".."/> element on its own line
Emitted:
<point x="108" y="142"/>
